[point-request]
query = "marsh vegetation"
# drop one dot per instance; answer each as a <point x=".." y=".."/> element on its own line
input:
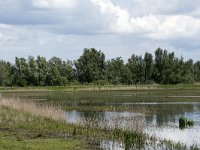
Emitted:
<point x="135" y="119"/>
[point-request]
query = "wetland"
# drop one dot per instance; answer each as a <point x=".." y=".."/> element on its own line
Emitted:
<point x="109" y="120"/>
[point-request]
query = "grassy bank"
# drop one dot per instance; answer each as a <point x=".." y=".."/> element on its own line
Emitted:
<point x="91" y="87"/>
<point x="9" y="141"/>
<point x="19" y="130"/>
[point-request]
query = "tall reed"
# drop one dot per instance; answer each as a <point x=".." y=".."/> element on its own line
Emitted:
<point x="45" y="111"/>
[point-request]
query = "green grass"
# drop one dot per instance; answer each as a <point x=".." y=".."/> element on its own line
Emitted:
<point x="11" y="142"/>
<point x="20" y="130"/>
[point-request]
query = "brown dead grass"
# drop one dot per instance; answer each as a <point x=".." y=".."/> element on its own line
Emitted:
<point x="45" y="111"/>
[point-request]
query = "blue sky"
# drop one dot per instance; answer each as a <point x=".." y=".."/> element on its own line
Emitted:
<point x="63" y="28"/>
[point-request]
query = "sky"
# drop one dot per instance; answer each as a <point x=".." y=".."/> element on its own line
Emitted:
<point x="63" y="28"/>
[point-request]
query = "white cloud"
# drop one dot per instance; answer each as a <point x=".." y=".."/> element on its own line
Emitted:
<point x="153" y="26"/>
<point x="158" y="7"/>
<point x="119" y="18"/>
<point x="54" y="3"/>
<point x="173" y="27"/>
<point x="6" y="33"/>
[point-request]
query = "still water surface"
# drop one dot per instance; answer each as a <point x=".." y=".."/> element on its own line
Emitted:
<point x="162" y="123"/>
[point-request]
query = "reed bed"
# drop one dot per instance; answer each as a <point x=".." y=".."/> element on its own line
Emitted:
<point x="94" y="87"/>
<point x="81" y="88"/>
<point x="46" y="111"/>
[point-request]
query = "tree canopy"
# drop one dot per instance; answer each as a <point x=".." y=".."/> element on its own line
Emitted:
<point x="162" y="68"/>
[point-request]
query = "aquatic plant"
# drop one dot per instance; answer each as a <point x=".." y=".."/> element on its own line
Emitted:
<point x="183" y="122"/>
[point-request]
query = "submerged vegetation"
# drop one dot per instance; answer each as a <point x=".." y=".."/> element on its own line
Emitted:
<point x="93" y="68"/>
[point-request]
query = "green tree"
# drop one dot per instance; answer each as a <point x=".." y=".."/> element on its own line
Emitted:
<point x="148" y="60"/>
<point x="176" y="76"/>
<point x="33" y="75"/>
<point x="54" y="73"/>
<point x="158" y="66"/>
<point x="68" y="71"/>
<point x="5" y="73"/>
<point x="42" y="71"/>
<point x="197" y="71"/>
<point x="91" y="66"/>
<point x="170" y="69"/>
<point x="115" y="70"/>
<point x="137" y="68"/>
<point x="188" y="72"/>
<point x="22" y="71"/>
<point x="163" y="67"/>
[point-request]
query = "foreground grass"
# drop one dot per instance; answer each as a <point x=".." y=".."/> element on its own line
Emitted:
<point x="19" y="130"/>
<point x="10" y="142"/>
<point x="24" y="125"/>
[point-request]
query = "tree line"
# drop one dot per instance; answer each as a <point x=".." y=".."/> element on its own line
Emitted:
<point x="92" y="67"/>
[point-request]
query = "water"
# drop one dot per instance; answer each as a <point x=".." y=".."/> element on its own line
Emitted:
<point x="162" y="123"/>
<point x="106" y="119"/>
<point x="111" y="145"/>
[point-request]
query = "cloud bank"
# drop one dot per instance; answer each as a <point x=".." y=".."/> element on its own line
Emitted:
<point x="119" y="28"/>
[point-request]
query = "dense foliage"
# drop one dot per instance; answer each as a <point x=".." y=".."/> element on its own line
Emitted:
<point x="92" y="67"/>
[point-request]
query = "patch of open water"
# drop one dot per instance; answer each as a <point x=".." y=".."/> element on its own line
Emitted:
<point x="163" y="123"/>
